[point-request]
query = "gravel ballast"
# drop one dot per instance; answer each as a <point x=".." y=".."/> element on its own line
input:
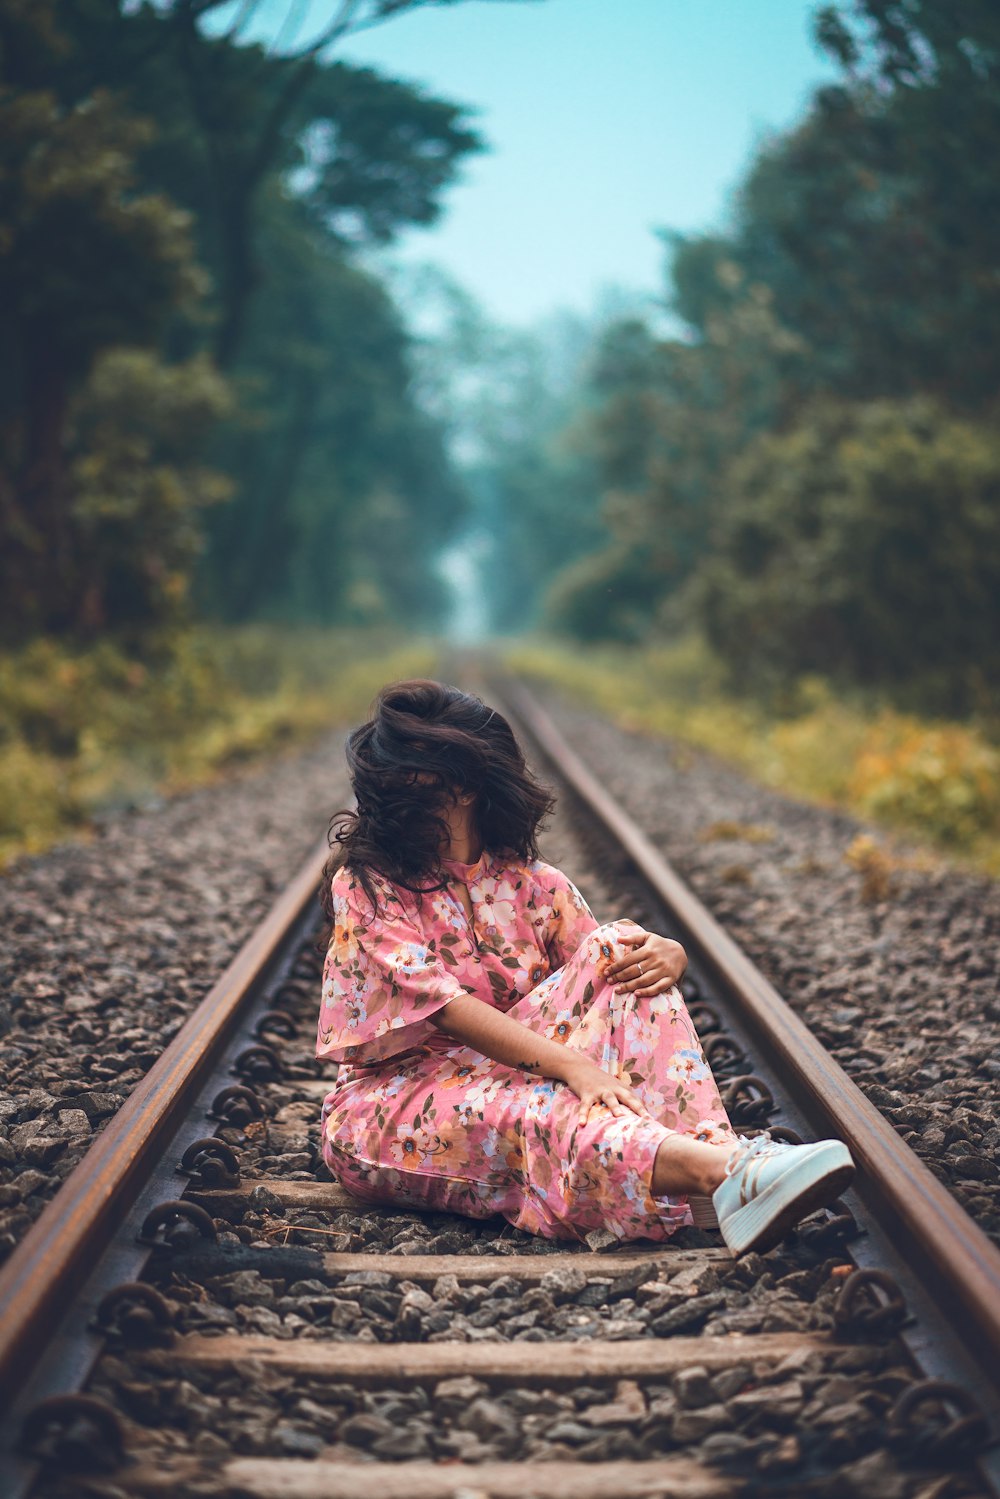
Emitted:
<point x="821" y="1416"/>
<point x="894" y="962"/>
<point x="108" y="944"/>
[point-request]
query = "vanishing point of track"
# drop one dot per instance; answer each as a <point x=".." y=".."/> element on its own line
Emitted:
<point x="912" y="1266"/>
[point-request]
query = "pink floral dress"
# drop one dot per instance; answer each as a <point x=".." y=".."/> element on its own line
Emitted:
<point x="416" y="1118"/>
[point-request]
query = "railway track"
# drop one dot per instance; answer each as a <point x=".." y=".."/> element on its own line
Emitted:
<point x="238" y="1326"/>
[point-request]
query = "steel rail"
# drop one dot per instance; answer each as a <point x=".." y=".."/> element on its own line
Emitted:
<point x="53" y="1260"/>
<point x="947" y="1249"/>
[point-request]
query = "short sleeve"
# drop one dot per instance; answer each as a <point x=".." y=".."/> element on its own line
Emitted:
<point x="382" y="979"/>
<point x="571" y="919"/>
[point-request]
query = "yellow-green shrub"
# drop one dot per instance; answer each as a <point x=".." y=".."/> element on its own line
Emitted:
<point x="82" y="730"/>
<point x="941" y="779"/>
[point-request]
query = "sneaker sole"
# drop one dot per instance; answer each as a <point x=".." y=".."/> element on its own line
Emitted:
<point x="703" y="1212"/>
<point x="766" y="1220"/>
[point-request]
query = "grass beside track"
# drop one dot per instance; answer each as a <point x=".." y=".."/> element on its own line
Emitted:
<point x="84" y="732"/>
<point x="934" y="780"/>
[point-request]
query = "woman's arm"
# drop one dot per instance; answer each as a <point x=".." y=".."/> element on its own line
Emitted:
<point x="506" y="1040"/>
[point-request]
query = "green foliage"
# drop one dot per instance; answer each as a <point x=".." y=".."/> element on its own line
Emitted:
<point x="174" y="203"/>
<point x="938" y="782"/>
<point x="88" y="261"/>
<point x="864" y="543"/>
<point x="943" y="779"/>
<point x="138" y="488"/>
<point x="811" y="475"/>
<point x="83" y="731"/>
<point x="377" y="153"/>
<point x="344" y="488"/>
<point x="604" y="596"/>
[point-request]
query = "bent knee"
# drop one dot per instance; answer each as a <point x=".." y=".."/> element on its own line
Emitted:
<point x="608" y="940"/>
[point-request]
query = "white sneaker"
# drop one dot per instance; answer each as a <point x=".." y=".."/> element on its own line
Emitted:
<point x="770" y="1186"/>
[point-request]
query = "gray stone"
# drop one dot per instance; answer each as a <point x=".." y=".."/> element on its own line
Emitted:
<point x="536" y="1403"/>
<point x="98" y="1105"/>
<point x="249" y="1288"/>
<point x="297" y="1443"/>
<point x="491" y="1421"/>
<point x="561" y="1285"/>
<point x="691" y="1315"/>
<point x="726" y="1447"/>
<point x="694" y="1425"/>
<point x="29" y="1182"/>
<point x="453" y="1396"/>
<point x="263" y="1197"/>
<point x="693" y="1387"/>
<point x="344" y="1314"/>
<point x="729" y="1382"/>
<point x="777" y="1401"/>
<point x="627" y="1408"/>
<point x="405" y="1443"/>
<point x="875" y="1474"/>
<point x="364" y="1429"/>
<point x="568" y="1431"/>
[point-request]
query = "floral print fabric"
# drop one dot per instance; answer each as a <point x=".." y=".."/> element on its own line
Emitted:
<point x="417" y="1118"/>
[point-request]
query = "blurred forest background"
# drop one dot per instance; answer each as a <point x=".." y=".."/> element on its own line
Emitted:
<point x="244" y="478"/>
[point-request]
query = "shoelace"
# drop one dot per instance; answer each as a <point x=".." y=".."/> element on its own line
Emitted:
<point x="748" y="1150"/>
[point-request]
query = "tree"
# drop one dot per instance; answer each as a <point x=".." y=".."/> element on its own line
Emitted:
<point x="144" y="162"/>
<point x="87" y="260"/>
<point x="345" y="489"/>
<point x="366" y="154"/>
<point x="864" y="544"/>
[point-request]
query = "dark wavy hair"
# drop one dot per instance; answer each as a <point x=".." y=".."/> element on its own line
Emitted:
<point x="424" y="743"/>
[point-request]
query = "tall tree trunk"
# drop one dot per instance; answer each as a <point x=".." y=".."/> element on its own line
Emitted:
<point x="241" y="276"/>
<point x="42" y="495"/>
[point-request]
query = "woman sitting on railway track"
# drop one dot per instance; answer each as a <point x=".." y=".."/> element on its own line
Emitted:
<point x="499" y="1050"/>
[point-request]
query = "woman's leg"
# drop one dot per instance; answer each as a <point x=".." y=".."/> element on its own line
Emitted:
<point x="635" y="1173"/>
<point x="686" y="1167"/>
<point x="650" y="1042"/>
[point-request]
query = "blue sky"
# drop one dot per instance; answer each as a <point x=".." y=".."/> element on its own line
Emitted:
<point x="607" y="119"/>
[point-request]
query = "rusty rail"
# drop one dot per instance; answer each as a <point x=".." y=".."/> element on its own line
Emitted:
<point x="947" y="1249"/>
<point x="39" y="1281"/>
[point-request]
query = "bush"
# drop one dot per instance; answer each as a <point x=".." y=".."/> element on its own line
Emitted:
<point x="87" y="730"/>
<point x="936" y="780"/>
<point x="942" y="780"/>
<point x="863" y="544"/>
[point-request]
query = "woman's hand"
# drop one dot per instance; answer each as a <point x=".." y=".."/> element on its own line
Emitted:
<point x="592" y="1084"/>
<point x="654" y="965"/>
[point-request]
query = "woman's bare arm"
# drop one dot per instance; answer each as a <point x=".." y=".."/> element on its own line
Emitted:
<point x="506" y="1040"/>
